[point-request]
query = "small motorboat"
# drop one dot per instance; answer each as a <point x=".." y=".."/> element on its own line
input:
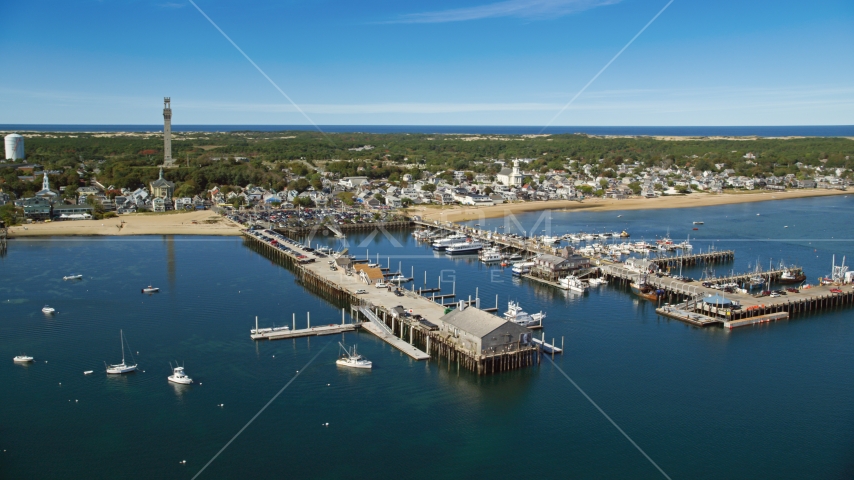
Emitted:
<point x="698" y="223"/>
<point x="150" y="289"/>
<point x="72" y="277"/>
<point x="352" y="359"/>
<point x="22" y="359"/>
<point x="178" y="376"/>
<point x="48" y="310"/>
<point x="88" y="372"/>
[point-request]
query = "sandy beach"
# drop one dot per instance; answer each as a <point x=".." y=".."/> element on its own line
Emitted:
<point x="464" y="213"/>
<point x="190" y="223"/>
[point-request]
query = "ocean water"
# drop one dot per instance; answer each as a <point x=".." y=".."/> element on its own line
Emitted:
<point x="769" y="401"/>
<point x="762" y="131"/>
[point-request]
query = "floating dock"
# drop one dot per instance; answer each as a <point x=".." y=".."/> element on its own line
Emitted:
<point x="305" y="332"/>
<point x="771" y="317"/>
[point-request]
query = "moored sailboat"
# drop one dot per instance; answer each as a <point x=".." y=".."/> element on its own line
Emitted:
<point x="121" y="367"/>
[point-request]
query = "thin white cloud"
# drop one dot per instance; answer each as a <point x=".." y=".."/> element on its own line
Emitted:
<point x="528" y="9"/>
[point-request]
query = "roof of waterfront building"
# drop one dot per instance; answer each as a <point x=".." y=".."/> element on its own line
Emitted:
<point x="475" y="321"/>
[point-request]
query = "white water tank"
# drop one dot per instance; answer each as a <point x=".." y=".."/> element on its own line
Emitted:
<point x="14" y="147"/>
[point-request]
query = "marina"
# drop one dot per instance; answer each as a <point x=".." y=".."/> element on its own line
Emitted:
<point x="617" y="348"/>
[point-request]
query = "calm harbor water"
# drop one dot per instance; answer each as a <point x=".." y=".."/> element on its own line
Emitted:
<point x="770" y="401"/>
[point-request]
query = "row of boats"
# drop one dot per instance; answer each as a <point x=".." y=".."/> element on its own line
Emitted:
<point x="178" y="375"/>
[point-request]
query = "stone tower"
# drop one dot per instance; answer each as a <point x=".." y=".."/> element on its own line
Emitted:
<point x="167" y="133"/>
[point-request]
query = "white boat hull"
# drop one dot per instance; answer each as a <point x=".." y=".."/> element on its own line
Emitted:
<point x="48" y="310"/>
<point x="116" y="370"/>
<point x="23" y="359"/>
<point x="180" y="380"/>
<point x="345" y="363"/>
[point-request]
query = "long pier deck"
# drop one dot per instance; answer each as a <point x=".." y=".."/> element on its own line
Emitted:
<point x="420" y="334"/>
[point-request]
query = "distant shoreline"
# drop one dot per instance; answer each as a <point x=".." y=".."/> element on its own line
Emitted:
<point x="694" y="132"/>
<point x="462" y="214"/>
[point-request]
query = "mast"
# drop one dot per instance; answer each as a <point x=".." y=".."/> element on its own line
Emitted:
<point x="122" y="339"/>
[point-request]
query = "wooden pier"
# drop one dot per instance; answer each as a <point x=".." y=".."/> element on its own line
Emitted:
<point x="684" y="300"/>
<point x="708" y="258"/>
<point x="410" y="333"/>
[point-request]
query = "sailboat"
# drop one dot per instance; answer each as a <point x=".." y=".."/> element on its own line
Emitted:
<point x="121" y="367"/>
<point x="352" y="359"/>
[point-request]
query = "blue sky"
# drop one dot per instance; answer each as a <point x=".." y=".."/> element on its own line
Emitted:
<point x="511" y="62"/>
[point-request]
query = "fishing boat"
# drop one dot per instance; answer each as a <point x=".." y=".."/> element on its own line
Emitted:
<point x="22" y="359"/>
<point x="150" y="289"/>
<point x="490" y="255"/>
<point x="352" y="359"/>
<point x="522" y="318"/>
<point x="178" y="375"/>
<point x="573" y="283"/>
<point x="645" y="290"/>
<point x="72" y="277"/>
<point x="462" y="248"/>
<point x="48" y="310"/>
<point x="791" y="275"/>
<point x="121" y="367"/>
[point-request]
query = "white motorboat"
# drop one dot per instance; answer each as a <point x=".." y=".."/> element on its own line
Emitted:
<point x="72" y="277"/>
<point x="573" y="283"/>
<point x="22" y="359"/>
<point x="462" y="248"/>
<point x="515" y="257"/>
<point x="595" y="282"/>
<point x="549" y="240"/>
<point x="522" y="268"/>
<point x="444" y="243"/>
<point x="178" y="375"/>
<point x="698" y="223"/>
<point x="491" y="255"/>
<point x="522" y="318"/>
<point x="48" y="310"/>
<point x="399" y="279"/>
<point x="88" y="372"/>
<point x="121" y="367"/>
<point x="352" y="359"/>
<point x="150" y="289"/>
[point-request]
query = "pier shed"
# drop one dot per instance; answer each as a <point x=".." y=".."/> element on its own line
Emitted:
<point x="369" y="275"/>
<point x="484" y="333"/>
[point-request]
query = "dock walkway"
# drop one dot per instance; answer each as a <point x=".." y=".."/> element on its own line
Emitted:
<point x="305" y="332"/>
